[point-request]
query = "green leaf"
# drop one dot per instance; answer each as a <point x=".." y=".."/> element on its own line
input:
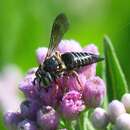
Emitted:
<point x="115" y="79"/>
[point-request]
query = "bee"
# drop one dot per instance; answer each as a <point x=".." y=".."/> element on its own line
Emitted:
<point x="56" y="64"/>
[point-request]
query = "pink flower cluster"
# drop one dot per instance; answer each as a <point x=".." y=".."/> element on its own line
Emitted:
<point x="45" y="108"/>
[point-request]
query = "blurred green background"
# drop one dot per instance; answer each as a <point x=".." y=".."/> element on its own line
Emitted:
<point x="26" y="24"/>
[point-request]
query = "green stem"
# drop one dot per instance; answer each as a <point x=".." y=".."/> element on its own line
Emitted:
<point x="68" y="124"/>
<point x="80" y="121"/>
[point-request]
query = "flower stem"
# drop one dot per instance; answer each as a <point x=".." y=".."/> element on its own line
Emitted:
<point x="80" y="122"/>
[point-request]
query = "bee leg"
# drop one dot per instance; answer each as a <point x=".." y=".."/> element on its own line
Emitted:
<point x="34" y="81"/>
<point x="55" y="89"/>
<point x="66" y="80"/>
<point x="37" y="82"/>
<point x="78" y="80"/>
<point x="58" y="54"/>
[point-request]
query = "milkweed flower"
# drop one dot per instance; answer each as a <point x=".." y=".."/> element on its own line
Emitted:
<point x="41" y="54"/>
<point x="32" y="70"/>
<point x="123" y="122"/>
<point x="67" y="98"/>
<point x="126" y="101"/>
<point x="72" y="104"/>
<point x="27" y="125"/>
<point x="48" y="118"/>
<point x="69" y="46"/>
<point x="51" y="96"/>
<point x="12" y="119"/>
<point x="73" y="83"/>
<point x="115" y="109"/>
<point x="100" y="118"/>
<point x="28" y="88"/>
<point x="29" y="109"/>
<point x="94" y="92"/>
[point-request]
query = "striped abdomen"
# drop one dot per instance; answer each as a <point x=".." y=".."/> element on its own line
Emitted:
<point x="74" y="60"/>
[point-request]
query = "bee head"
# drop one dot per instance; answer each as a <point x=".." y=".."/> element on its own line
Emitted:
<point x="44" y="78"/>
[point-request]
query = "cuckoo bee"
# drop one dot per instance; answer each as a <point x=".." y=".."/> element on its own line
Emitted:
<point x="56" y="64"/>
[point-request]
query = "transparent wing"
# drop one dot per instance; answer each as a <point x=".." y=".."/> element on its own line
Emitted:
<point x="60" y="26"/>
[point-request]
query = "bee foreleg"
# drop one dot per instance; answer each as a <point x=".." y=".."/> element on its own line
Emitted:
<point x="34" y="81"/>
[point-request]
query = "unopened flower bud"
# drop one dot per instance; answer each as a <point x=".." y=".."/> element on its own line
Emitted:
<point x="41" y="54"/>
<point x="126" y="101"/>
<point x="69" y="46"/>
<point x="12" y="119"/>
<point x="47" y="118"/>
<point x="115" y="109"/>
<point x="94" y="92"/>
<point x="91" y="48"/>
<point x="28" y="88"/>
<point x="72" y="104"/>
<point x="123" y="122"/>
<point x="27" y="125"/>
<point x="100" y="118"/>
<point x="29" y="109"/>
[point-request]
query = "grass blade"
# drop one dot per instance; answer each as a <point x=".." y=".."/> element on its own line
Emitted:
<point x="115" y="79"/>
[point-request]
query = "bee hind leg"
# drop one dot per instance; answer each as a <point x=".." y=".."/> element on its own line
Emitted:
<point x="78" y="80"/>
<point x="55" y="89"/>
